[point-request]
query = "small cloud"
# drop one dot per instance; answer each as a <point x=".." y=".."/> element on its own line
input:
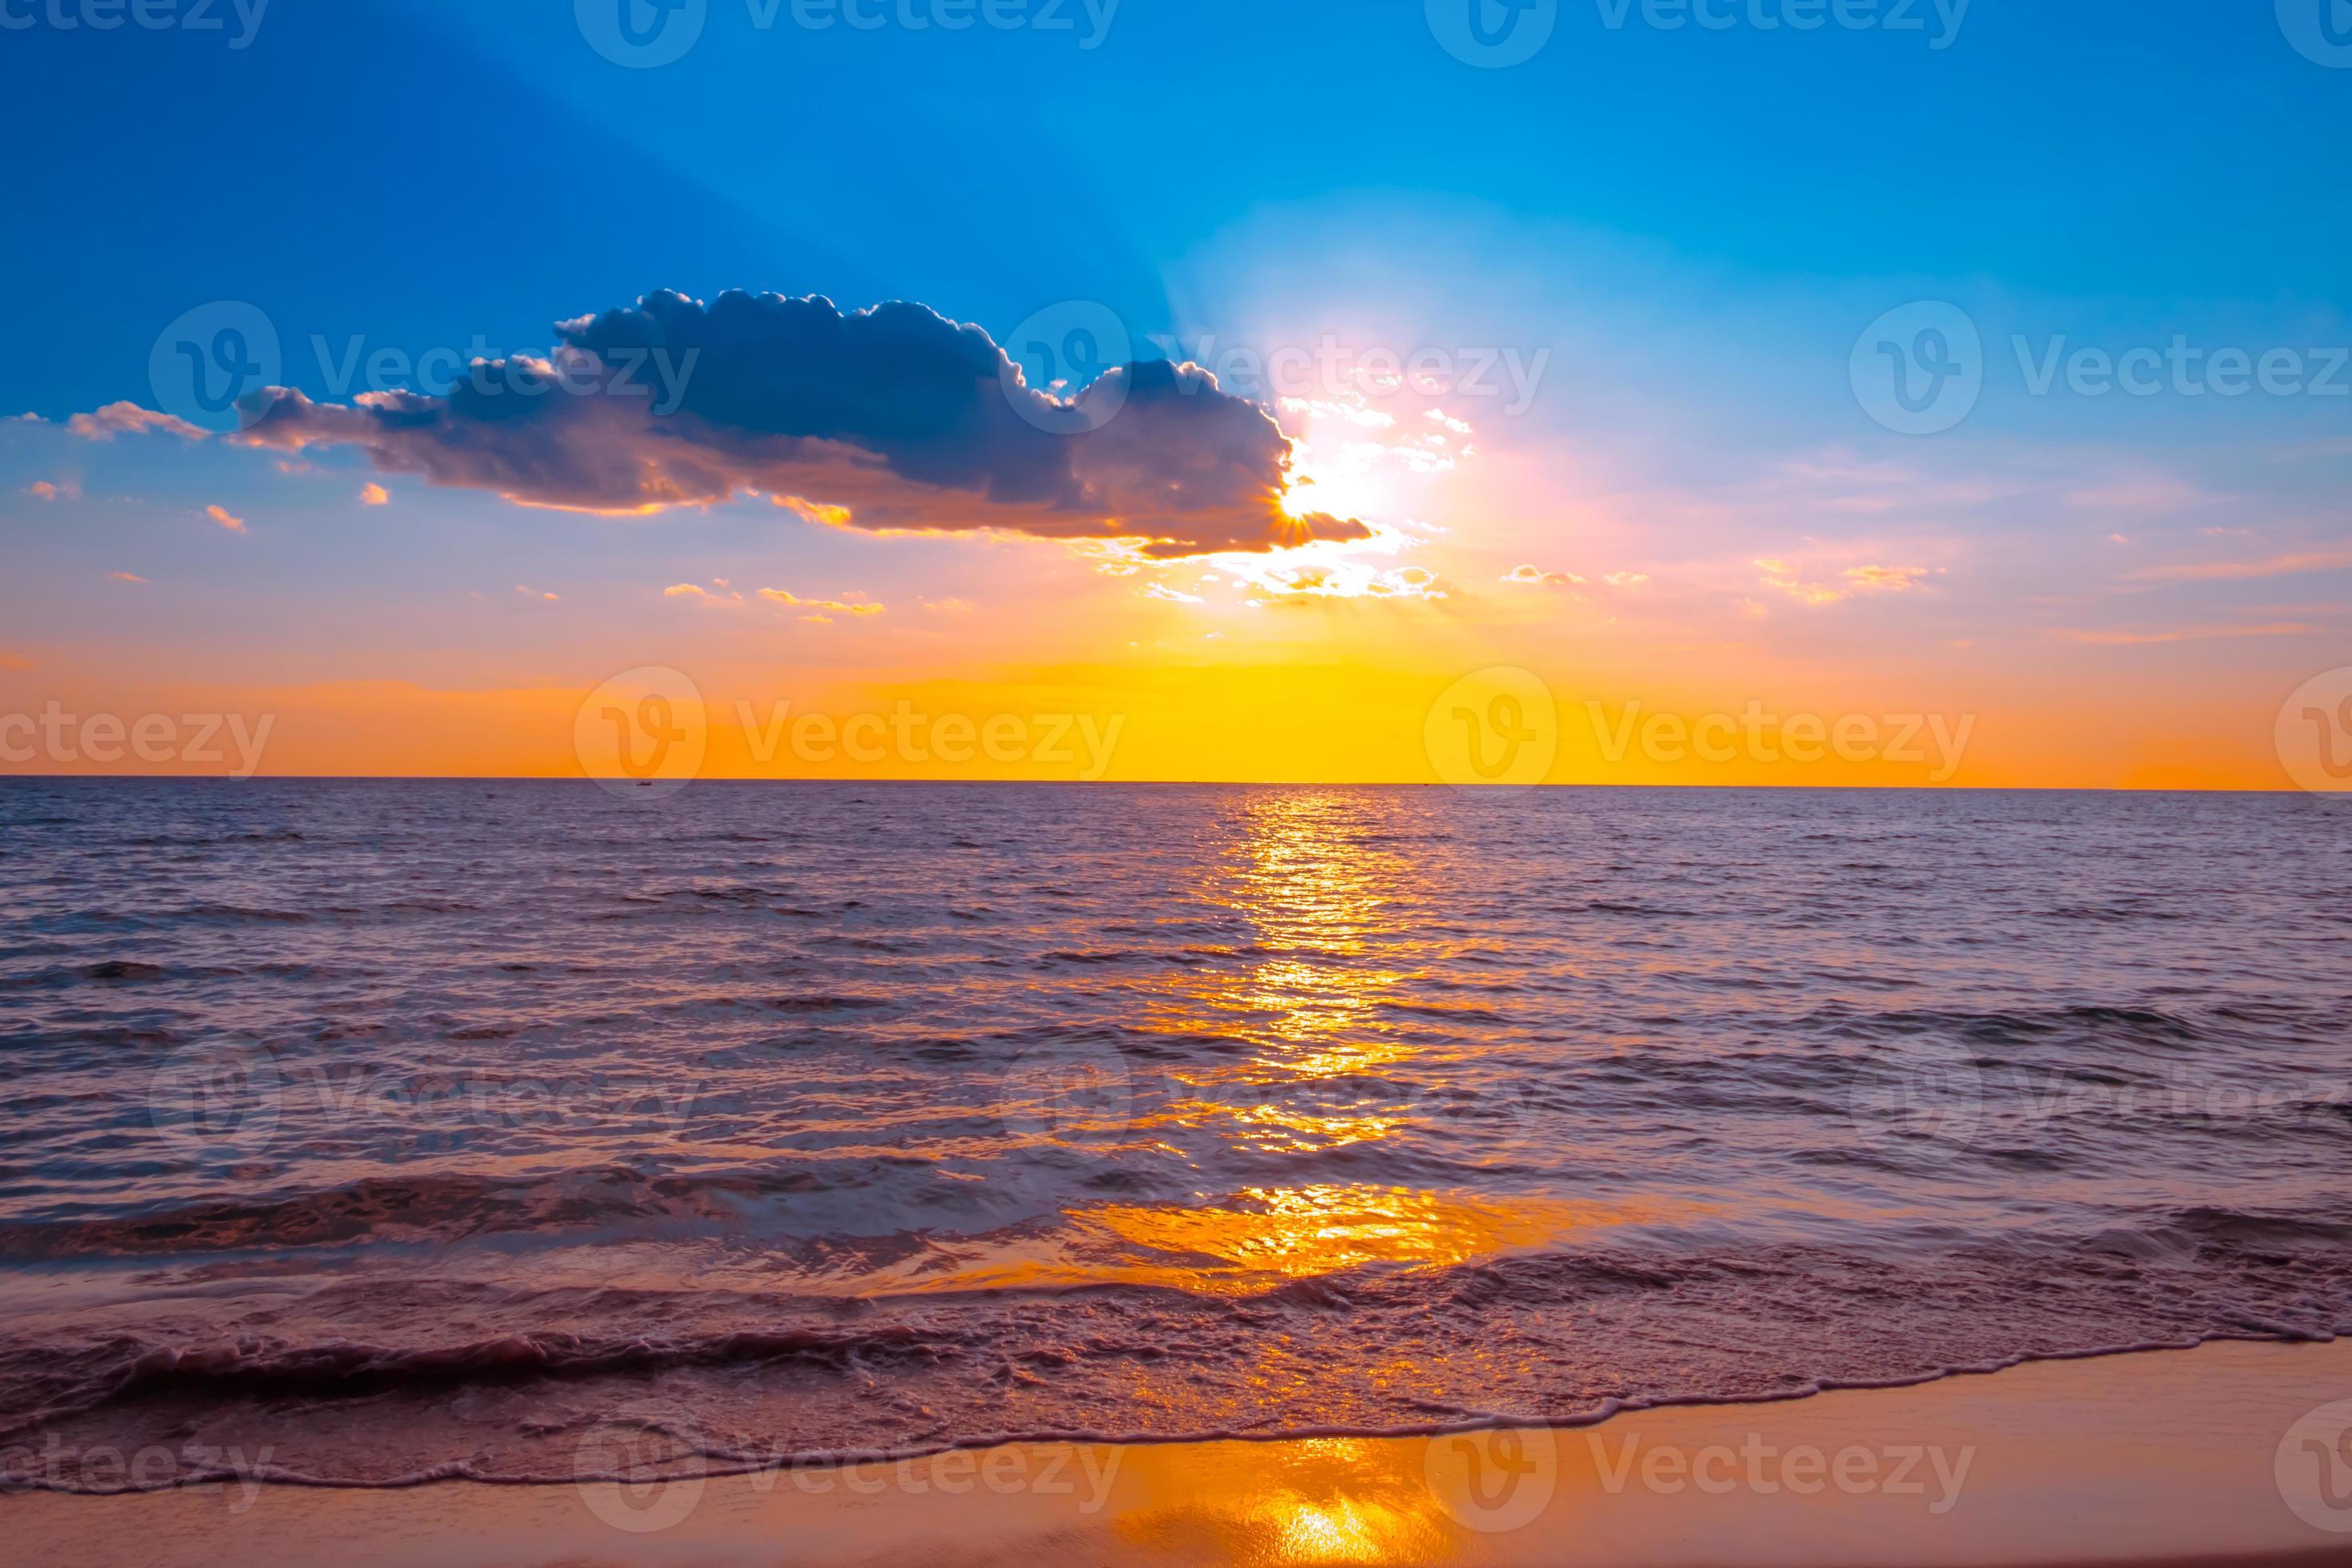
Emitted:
<point x="1892" y="579"/>
<point x="374" y="495"/>
<point x="1297" y="586"/>
<point x="130" y="419"/>
<point x="42" y="489"/>
<point x="684" y="591"/>
<point x="818" y="512"/>
<point x="1535" y="576"/>
<point x="1778" y="574"/>
<point x="1439" y="415"/>
<point x="2119" y="539"/>
<point x="529" y="593"/>
<point x="946" y="607"/>
<point x="126" y="577"/>
<point x="849" y="605"/>
<point x="1174" y="596"/>
<point x="1626" y="579"/>
<point x="226" y="518"/>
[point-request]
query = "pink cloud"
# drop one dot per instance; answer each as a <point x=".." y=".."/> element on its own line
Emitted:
<point x="1868" y="579"/>
<point x="130" y="419"/>
<point x="226" y="519"/>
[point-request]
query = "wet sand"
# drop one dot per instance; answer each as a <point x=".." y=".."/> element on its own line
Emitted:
<point x="2164" y="1456"/>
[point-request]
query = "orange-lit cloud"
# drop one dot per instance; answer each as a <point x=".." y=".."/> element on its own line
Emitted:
<point x="822" y="611"/>
<point x="1779" y="575"/>
<point x="226" y="518"/>
<point x="374" y="495"/>
<point x="130" y="419"/>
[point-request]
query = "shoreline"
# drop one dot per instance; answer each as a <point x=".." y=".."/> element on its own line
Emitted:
<point x="2170" y="1456"/>
<point x="721" y="1463"/>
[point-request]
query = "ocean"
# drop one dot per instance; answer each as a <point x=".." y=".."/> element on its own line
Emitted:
<point x="376" y="1130"/>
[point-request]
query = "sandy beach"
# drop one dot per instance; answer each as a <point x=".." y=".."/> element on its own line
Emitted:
<point x="2162" y="1457"/>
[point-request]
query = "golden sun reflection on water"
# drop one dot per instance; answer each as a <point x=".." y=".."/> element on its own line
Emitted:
<point x="1264" y="1237"/>
<point x="1316" y="889"/>
<point x="1259" y="1239"/>
<point x="1348" y="1530"/>
<point x="1315" y="1501"/>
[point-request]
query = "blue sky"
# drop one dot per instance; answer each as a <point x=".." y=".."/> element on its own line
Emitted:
<point x="1690" y="224"/>
<point x="438" y="164"/>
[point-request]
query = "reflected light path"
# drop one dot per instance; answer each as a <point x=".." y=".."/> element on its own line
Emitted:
<point x="1317" y="891"/>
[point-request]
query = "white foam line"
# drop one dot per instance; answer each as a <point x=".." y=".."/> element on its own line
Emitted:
<point x="738" y="1463"/>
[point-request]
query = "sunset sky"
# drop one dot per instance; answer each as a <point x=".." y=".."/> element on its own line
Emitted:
<point x="1562" y="367"/>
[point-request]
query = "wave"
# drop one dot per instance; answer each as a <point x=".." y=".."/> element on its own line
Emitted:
<point x="357" y="1380"/>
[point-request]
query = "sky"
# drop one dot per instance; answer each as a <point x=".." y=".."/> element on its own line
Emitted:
<point x="1703" y="392"/>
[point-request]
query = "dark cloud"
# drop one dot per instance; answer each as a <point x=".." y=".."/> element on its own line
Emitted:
<point x="906" y="419"/>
